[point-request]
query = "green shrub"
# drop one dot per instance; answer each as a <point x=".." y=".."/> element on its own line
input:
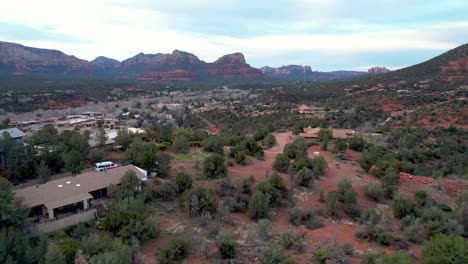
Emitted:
<point x="274" y="254"/>
<point x="275" y="195"/>
<point x="343" y="186"/>
<point x="420" y="197"/>
<point x="305" y="178"/>
<point x="68" y="249"/>
<point x="369" y="216"/>
<point x="373" y="191"/>
<point x="181" y="145"/>
<point x="200" y="200"/>
<point x="264" y="229"/>
<point x="281" y="162"/>
<point x="213" y="166"/>
<point x="258" y="205"/>
<point x="390" y="182"/>
<point x="332" y="201"/>
<point x="183" y="182"/>
<point x="293" y="240"/>
<point x="164" y="145"/>
<point x="307" y="218"/>
<point x="356" y="143"/>
<point x="174" y="251"/>
<point x="375" y="233"/>
<point x="416" y="232"/>
<point x="167" y="191"/>
<point x="227" y="246"/>
<point x="269" y="141"/>
<point x="445" y="249"/>
<point x="435" y="220"/>
<point x="395" y="258"/>
<point x="402" y="206"/>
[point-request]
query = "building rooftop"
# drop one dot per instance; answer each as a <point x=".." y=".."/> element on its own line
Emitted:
<point x="14" y="132"/>
<point x="68" y="190"/>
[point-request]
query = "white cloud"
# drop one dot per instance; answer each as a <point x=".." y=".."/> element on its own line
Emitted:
<point x="120" y="29"/>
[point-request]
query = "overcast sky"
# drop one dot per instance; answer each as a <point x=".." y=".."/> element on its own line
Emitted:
<point x="325" y="34"/>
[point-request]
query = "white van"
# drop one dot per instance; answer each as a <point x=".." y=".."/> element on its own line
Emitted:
<point x="105" y="165"/>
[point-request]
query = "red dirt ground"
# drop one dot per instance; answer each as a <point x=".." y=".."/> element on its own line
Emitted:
<point x="342" y="231"/>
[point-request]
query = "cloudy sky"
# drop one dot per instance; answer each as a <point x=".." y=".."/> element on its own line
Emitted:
<point x="325" y="34"/>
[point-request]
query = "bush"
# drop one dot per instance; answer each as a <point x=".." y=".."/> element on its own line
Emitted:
<point x="68" y="249"/>
<point x="420" y="197"/>
<point x="264" y="229"/>
<point x="341" y="145"/>
<point x="402" y="206"/>
<point x="275" y="196"/>
<point x="293" y="240"/>
<point x="167" y="191"/>
<point x="181" y="145"/>
<point x="281" y="162"/>
<point x="227" y="246"/>
<point x="333" y="252"/>
<point x="416" y="232"/>
<point x="274" y="254"/>
<point x="343" y="186"/>
<point x="163" y="145"/>
<point x="213" y="144"/>
<point x="213" y="166"/>
<point x="356" y="143"/>
<point x="395" y="258"/>
<point x="332" y="201"/>
<point x="258" y="205"/>
<point x="269" y="141"/>
<point x="224" y="187"/>
<point x="373" y="191"/>
<point x="174" y="251"/>
<point x="305" y="178"/>
<point x="375" y="233"/>
<point x="352" y="209"/>
<point x="183" y="182"/>
<point x="390" y="182"/>
<point x="297" y="149"/>
<point x="445" y="249"/>
<point x="200" y="200"/>
<point x="306" y="218"/>
<point x="435" y="220"/>
<point x="369" y="216"/>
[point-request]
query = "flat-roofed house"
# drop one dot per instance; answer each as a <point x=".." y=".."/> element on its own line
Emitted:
<point x="14" y="133"/>
<point x="61" y="195"/>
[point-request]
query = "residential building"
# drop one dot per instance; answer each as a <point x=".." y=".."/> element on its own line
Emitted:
<point x="72" y="194"/>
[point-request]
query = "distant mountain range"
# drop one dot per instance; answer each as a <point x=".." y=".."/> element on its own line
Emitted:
<point x="19" y="60"/>
<point x="305" y="73"/>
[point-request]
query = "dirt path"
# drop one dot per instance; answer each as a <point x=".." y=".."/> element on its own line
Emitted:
<point x="212" y="128"/>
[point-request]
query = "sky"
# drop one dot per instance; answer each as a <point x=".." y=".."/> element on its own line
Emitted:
<point x="324" y="34"/>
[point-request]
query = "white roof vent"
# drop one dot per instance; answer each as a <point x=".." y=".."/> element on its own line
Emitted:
<point x="60" y="186"/>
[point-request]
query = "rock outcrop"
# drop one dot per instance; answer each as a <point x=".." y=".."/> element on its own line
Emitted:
<point x="305" y="73"/>
<point x="19" y="59"/>
<point x="292" y="72"/>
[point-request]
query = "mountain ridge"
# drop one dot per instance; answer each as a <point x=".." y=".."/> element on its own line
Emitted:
<point x="17" y="59"/>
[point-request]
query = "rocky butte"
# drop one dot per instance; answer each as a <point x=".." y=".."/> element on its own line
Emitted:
<point x="293" y="72"/>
